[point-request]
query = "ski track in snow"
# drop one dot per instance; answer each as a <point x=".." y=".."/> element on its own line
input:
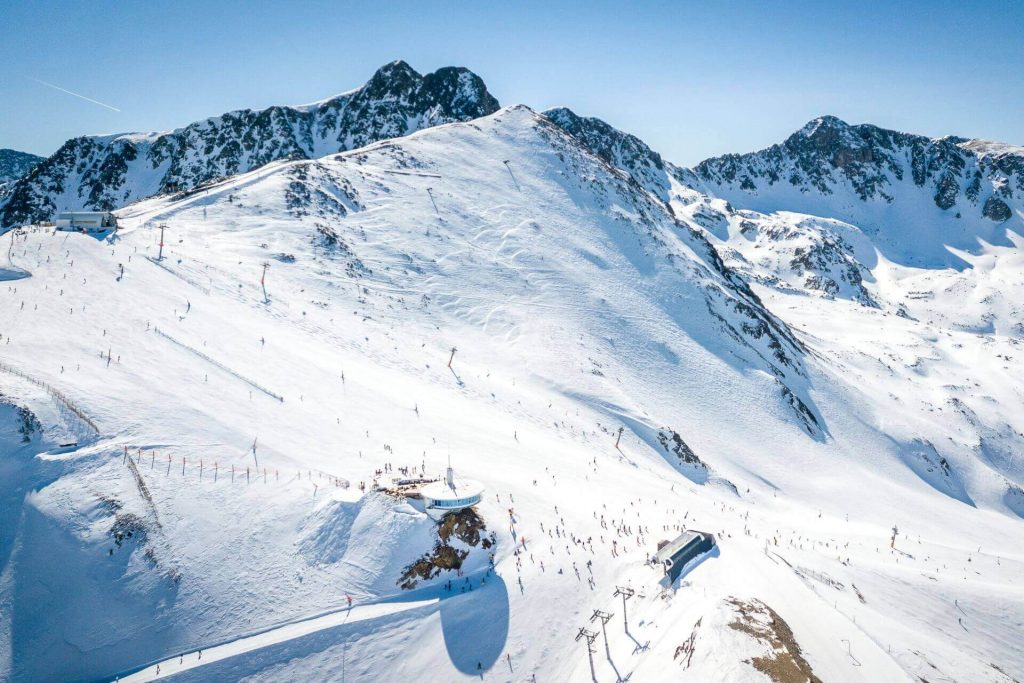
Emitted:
<point x="210" y="655"/>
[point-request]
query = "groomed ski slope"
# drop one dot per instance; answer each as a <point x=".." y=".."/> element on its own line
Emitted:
<point x="553" y="280"/>
<point x="260" y="641"/>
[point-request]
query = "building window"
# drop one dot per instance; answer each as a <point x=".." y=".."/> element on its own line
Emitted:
<point x="460" y="502"/>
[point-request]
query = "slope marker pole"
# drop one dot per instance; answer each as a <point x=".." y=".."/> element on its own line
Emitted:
<point x="263" y="281"/>
<point x="509" y="169"/>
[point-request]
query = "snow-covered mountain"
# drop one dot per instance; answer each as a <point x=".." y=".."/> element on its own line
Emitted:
<point x="109" y="171"/>
<point x="914" y="195"/>
<point x="623" y="151"/>
<point x="15" y="164"/>
<point x="859" y="230"/>
<point x="614" y="346"/>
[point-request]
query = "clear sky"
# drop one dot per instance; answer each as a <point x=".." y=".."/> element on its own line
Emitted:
<point x="691" y="80"/>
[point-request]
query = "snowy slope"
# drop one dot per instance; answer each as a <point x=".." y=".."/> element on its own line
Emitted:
<point x="579" y="302"/>
<point x="975" y="288"/>
<point x="109" y="171"/>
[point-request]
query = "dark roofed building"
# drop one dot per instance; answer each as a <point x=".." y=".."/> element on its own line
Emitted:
<point x="675" y="554"/>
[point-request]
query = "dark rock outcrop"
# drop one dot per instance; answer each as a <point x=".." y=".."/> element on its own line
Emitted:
<point x="15" y="164"/>
<point x="465" y="526"/>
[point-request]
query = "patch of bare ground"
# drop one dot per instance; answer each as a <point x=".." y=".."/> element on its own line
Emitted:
<point x="785" y="663"/>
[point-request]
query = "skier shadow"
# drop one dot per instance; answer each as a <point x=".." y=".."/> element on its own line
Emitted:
<point x="475" y="626"/>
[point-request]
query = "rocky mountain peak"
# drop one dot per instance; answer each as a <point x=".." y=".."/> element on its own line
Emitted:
<point x="458" y="93"/>
<point x="394" y="79"/>
<point x="826" y="124"/>
<point x="619" y="149"/>
<point x="107" y="172"/>
<point x="834" y="139"/>
<point x="827" y="156"/>
<point x="606" y="141"/>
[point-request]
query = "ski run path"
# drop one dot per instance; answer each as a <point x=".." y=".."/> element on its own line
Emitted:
<point x="296" y="629"/>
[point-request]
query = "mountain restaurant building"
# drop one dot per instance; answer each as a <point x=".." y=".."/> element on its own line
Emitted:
<point x="675" y="554"/>
<point x="451" y="494"/>
<point x="86" y="221"/>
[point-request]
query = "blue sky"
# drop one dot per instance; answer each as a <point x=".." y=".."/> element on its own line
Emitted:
<point x="691" y="80"/>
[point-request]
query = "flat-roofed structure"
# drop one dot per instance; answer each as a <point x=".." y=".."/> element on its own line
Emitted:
<point x="86" y="221"/>
<point x="675" y="554"/>
<point x="451" y="494"/>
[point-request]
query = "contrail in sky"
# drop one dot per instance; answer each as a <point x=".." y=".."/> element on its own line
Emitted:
<point x="87" y="99"/>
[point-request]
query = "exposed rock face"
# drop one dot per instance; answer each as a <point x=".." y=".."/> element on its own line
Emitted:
<point x="996" y="209"/>
<point x="15" y="164"/>
<point x="457" y="534"/>
<point x="28" y="423"/>
<point x="106" y="172"/>
<point x="621" y="150"/>
<point x="801" y="253"/>
<point x="674" y="443"/>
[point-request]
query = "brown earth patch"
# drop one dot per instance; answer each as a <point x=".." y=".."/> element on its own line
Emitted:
<point x="785" y="664"/>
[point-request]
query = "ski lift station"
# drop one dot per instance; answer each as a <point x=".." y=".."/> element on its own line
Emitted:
<point x="675" y="554"/>
<point x="86" y="221"/>
<point x="450" y="494"/>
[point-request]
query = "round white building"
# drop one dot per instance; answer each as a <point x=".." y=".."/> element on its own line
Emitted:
<point x="451" y="494"/>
